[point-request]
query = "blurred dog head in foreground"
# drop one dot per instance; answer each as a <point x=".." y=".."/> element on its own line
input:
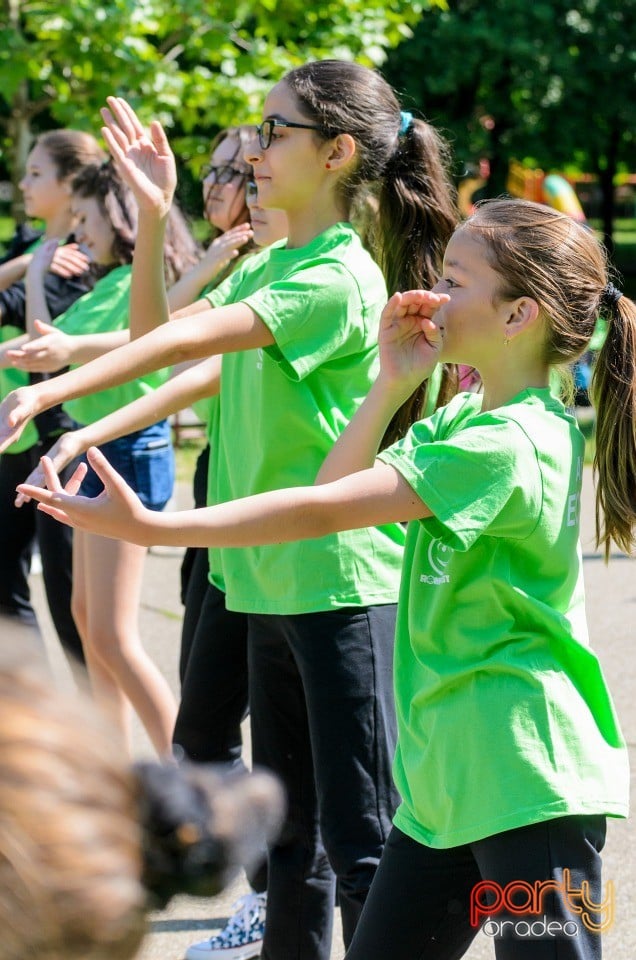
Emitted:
<point x="88" y="845"/>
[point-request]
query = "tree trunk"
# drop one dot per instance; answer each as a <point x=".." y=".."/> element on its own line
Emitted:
<point x="20" y="140"/>
<point x="606" y="176"/>
<point x="19" y="128"/>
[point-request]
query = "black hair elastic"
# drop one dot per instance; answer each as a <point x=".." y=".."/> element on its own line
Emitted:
<point x="610" y="296"/>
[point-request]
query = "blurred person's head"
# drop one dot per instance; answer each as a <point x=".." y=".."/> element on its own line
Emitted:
<point x="55" y="158"/>
<point x="88" y="844"/>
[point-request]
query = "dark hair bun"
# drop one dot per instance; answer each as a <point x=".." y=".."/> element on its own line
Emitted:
<point x="200" y="825"/>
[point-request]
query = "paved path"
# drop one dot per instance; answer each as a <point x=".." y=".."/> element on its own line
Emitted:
<point x="611" y="599"/>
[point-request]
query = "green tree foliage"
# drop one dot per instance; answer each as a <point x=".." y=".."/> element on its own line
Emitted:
<point x="552" y="81"/>
<point x="196" y="65"/>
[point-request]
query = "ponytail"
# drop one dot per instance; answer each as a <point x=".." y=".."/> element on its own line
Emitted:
<point x="417" y="216"/>
<point x="402" y="165"/>
<point x="614" y="396"/>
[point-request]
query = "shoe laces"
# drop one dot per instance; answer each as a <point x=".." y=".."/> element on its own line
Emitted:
<point x="248" y="911"/>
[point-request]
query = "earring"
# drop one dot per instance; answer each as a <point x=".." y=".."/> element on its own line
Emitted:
<point x="506" y="341"/>
<point x="327" y="166"/>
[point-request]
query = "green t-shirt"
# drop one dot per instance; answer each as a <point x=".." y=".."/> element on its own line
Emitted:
<point x="282" y="408"/>
<point x="102" y="310"/>
<point x="504" y="718"/>
<point x="11" y="379"/>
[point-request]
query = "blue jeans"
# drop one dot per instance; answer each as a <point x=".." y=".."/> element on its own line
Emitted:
<point x="145" y="459"/>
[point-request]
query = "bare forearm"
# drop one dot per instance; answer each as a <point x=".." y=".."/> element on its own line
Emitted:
<point x="188" y="289"/>
<point x="14" y="344"/>
<point x="89" y="346"/>
<point x="197" y="382"/>
<point x="168" y="345"/>
<point x="36" y="305"/>
<point x="148" y="300"/>
<point x="368" y="498"/>
<point x="357" y="446"/>
<point x="13" y="270"/>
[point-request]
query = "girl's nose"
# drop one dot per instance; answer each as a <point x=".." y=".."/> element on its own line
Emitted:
<point x="253" y="152"/>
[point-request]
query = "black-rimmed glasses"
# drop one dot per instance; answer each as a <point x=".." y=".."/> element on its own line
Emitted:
<point x="251" y="191"/>
<point x="223" y="173"/>
<point x="266" y="130"/>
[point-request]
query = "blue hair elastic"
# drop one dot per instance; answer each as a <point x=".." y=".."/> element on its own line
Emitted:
<point x="406" y="119"/>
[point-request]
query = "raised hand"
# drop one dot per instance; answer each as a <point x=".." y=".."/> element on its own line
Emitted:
<point x="226" y="247"/>
<point x="69" y="261"/>
<point x="16" y="410"/>
<point x="409" y="338"/>
<point x="49" y="352"/>
<point x="144" y="160"/>
<point x="42" y="258"/>
<point x="117" y="512"/>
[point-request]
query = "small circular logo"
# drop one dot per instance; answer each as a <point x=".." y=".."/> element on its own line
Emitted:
<point x="439" y="556"/>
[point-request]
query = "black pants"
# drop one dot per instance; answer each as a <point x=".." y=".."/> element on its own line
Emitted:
<point x="322" y="718"/>
<point x="419" y="907"/>
<point x="19" y="528"/>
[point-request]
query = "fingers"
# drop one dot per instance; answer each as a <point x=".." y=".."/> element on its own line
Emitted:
<point x="106" y="473"/>
<point x="159" y="139"/>
<point x="75" y="481"/>
<point x="50" y="475"/>
<point x="115" y="140"/>
<point x="126" y="116"/>
<point x="43" y="327"/>
<point x="69" y="261"/>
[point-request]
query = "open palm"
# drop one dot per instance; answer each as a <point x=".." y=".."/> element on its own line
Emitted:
<point x="144" y="160"/>
<point x="409" y="339"/>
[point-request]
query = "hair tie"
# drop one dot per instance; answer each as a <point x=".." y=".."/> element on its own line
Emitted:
<point x="406" y="121"/>
<point x="610" y="295"/>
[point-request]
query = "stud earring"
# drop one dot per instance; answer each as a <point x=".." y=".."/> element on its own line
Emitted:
<point x="328" y="166"/>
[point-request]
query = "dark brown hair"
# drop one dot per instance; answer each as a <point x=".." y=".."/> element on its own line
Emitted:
<point x="407" y="163"/>
<point x="70" y="150"/>
<point x="116" y="203"/>
<point x="119" y="207"/>
<point x="558" y="262"/>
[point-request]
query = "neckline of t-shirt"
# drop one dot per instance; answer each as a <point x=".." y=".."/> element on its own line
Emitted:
<point x="540" y="393"/>
<point x="324" y="239"/>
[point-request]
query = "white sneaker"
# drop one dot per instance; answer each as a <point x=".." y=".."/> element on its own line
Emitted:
<point x="241" y="938"/>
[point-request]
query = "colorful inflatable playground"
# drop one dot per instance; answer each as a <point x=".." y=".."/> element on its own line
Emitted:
<point x="530" y="184"/>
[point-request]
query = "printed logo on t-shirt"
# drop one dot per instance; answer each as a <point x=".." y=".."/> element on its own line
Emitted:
<point x="439" y="555"/>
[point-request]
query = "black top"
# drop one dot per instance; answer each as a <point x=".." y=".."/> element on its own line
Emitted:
<point x="60" y="293"/>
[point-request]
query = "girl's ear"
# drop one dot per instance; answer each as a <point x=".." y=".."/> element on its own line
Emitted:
<point x="342" y="150"/>
<point x="524" y="314"/>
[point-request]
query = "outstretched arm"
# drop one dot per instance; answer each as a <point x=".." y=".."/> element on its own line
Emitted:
<point x="221" y="251"/>
<point x="52" y="349"/>
<point x="196" y="382"/>
<point x="215" y="331"/>
<point x="409" y="341"/>
<point x="376" y="496"/>
<point x="146" y="163"/>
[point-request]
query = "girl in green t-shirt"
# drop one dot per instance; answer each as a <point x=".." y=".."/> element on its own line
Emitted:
<point x="297" y="326"/>
<point x="510" y="755"/>
<point x="54" y="159"/>
<point x="106" y="578"/>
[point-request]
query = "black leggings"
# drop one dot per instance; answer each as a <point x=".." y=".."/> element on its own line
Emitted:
<point x="419" y="906"/>
<point x="19" y="529"/>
